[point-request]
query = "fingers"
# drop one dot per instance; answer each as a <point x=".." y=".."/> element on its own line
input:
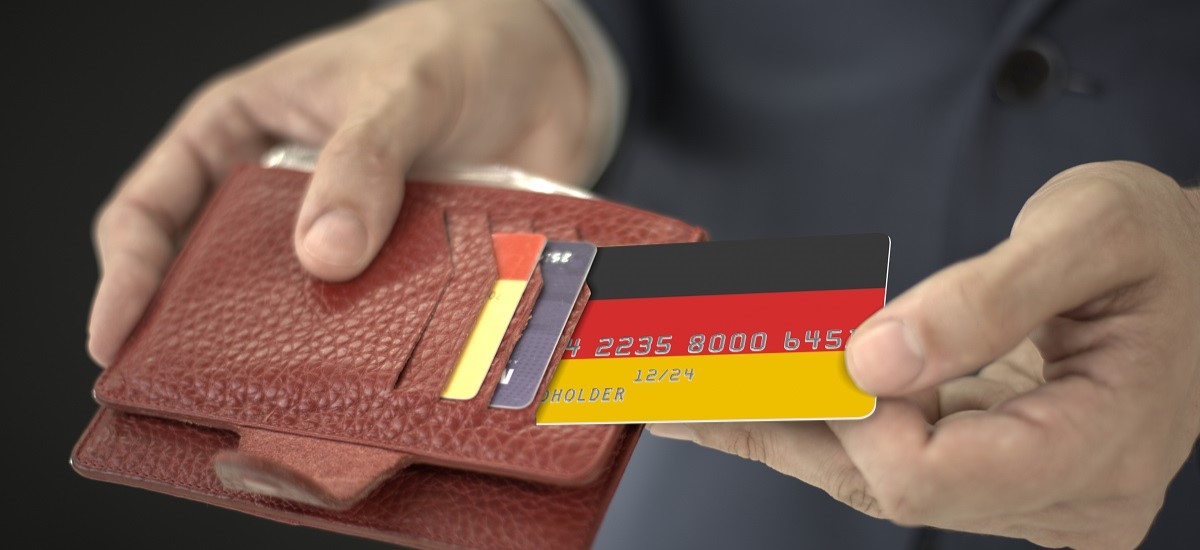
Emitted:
<point x="909" y="480"/>
<point x="137" y="230"/>
<point x="1026" y="454"/>
<point x="973" y="312"/>
<point x="358" y="184"/>
<point x="1039" y="442"/>
<point x="1019" y="371"/>
<point x="971" y="394"/>
<point x="135" y="249"/>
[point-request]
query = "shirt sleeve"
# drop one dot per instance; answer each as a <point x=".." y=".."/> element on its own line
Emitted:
<point x="607" y="81"/>
<point x="637" y="36"/>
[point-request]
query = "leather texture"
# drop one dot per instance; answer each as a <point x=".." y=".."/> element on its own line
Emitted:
<point x="317" y="472"/>
<point x="420" y="507"/>
<point x="334" y="387"/>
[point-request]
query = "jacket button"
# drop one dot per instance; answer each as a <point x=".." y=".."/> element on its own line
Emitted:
<point x="1034" y="70"/>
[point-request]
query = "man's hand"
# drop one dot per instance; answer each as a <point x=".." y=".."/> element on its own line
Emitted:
<point x="423" y="84"/>
<point x="1086" y="324"/>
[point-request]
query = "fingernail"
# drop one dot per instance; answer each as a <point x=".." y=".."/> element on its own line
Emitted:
<point x="885" y="359"/>
<point x="682" y="432"/>
<point x="337" y="238"/>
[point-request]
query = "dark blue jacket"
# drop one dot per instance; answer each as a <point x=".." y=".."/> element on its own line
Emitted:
<point x="929" y="120"/>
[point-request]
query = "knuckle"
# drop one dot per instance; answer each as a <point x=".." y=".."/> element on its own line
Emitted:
<point x="904" y="499"/>
<point x="898" y="508"/>
<point x="434" y="81"/>
<point x="117" y="219"/>
<point x="1043" y="416"/>
<point x="1111" y="170"/>
<point x="135" y="269"/>
<point x="851" y="489"/>
<point x="1136" y="174"/>
<point x="421" y="94"/>
<point x="217" y="89"/>
<point x="1108" y="197"/>
<point x="138" y="230"/>
<point x="350" y="141"/>
<point x="1085" y="170"/>
<point x="1105" y="200"/>
<point x="361" y="145"/>
<point x="207" y="114"/>
<point x="906" y="510"/>
<point x="427" y="76"/>
<point x="102" y="222"/>
<point x="233" y="79"/>
<point x="1103" y="195"/>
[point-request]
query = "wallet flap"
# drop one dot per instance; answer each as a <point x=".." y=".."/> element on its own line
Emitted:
<point x="420" y="506"/>
<point x="317" y="472"/>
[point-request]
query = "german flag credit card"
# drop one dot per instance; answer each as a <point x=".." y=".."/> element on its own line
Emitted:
<point x="720" y="331"/>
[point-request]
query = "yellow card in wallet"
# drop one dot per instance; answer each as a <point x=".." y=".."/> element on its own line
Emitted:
<point x="517" y="255"/>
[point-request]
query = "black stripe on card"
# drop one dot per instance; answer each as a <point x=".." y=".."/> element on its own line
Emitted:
<point x="740" y="267"/>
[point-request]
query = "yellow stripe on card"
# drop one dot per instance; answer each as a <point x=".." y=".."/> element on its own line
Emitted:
<point x="480" y="350"/>
<point x="763" y="386"/>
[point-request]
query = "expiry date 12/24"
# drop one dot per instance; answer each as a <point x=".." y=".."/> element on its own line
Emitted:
<point x="663" y="375"/>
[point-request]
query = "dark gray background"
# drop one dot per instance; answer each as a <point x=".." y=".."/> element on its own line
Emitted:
<point x="93" y="84"/>
<point x="89" y="85"/>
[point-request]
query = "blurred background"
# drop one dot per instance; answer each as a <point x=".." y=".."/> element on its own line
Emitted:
<point x="93" y="84"/>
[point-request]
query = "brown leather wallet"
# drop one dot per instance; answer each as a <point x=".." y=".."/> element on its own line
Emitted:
<point x="250" y="385"/>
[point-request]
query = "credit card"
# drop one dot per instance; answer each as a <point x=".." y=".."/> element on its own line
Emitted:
<point x="720" y="331"/>
<point x="516" y="256"/>
<point x="565" y="267"/>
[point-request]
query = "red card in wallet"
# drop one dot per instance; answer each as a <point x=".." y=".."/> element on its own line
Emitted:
<point x="251" y="385"/>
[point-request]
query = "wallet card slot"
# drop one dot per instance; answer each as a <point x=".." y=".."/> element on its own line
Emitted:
<point x="413" y="281"/>
<point x="516" y="327"/>
<point x="560" y="349"/>
<point x="475" y="274"/>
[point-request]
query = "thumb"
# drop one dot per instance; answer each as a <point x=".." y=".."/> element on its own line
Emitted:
<point x="1072" y="246"/>
<point x="357" y="188"/>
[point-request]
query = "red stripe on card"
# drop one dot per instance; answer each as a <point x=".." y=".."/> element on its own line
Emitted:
<point x="771" y="322"/>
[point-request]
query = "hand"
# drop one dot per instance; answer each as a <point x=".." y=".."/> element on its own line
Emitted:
<point x="422" y="84"/>
<point x="1085" y="323"/>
